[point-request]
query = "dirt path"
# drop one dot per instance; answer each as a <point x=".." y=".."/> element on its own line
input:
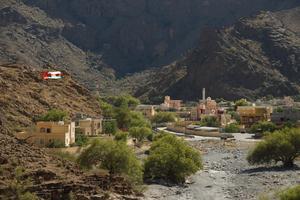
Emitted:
<point x="226" y="175"/>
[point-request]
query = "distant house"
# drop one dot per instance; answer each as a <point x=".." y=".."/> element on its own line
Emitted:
<point x="282" y="115"/>
<point x="252" y="114"/>
<point x="147" y="110"/>
<point x="89" y="126"/>
<point x="48" y="132"/>
<point x="171" y="104"/>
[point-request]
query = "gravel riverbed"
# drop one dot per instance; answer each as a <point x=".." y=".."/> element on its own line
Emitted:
<point x="226" y="175"/>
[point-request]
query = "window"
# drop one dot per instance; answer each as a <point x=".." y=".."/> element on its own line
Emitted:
<point x="48" y="130"/>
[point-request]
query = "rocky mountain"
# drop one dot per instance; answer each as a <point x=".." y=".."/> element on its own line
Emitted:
<point x="255" y="57"/>
<point x="24" y="95"/>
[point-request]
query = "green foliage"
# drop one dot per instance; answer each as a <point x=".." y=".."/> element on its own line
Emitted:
<point x="241" y="102"/>
<point x="137" y="119"/>
<point x="232" y="128"/>
<point x="121" y="136"/>
<point x="262" y="127"/>
<point x="171" y="159"/>
<point x="116" y="157"/>
<point x="123" y="101"/>
<point x="164" y="117"/>
<point x="19" y="186"/>
<point x="110" y="127"/>
<point x="278" y="110"/>
<point x="56" y="144"/>
<point x="140" y="133"/>
<point x="80" y="138"/>
<point x="290" y="194"/>
<point x="235" y="116"/>
<point x="107" y="109"/>
<point x="210" y="121"/>
<point x="282" y="145"/>
<point x="54" y="115"/>
<point x="127" y="119"/>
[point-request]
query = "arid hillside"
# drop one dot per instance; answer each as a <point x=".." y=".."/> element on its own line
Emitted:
<point x="255" y="57"/>
<point x="24" y="95"/>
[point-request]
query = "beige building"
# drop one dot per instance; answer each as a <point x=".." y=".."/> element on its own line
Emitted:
<point x="252" y="114"/>
<point x="90" y="126"/>
<point x="48" y="132"/>
<point x="171" y="104"/>
<point x="147" y="110"/>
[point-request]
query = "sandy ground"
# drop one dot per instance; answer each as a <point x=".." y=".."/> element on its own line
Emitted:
<point x="226" y="175"/>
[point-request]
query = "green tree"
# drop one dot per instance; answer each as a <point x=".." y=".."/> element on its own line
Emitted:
<point x="121" y="136"/>
<point x="232" y="128"/>
<point x="262" y="127"/>
<point x="171" y="159"/>
<point x="137" y="119"/>
<point x="107" y="109"/>
<point x="282" y="145"/>
<point x="235" y="116"/>
<point x="110" y="127"/>
<point x="164" y="117"/>
<point x="80" y="138"/>
<point x="140" y="133"/>
<point x="210" y="121"/>
<point x="54" y="115"/>
<point x="116" y="157"/>
<point x="241" y="102"/>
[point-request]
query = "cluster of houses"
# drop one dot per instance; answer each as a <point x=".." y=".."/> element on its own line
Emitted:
<point x="46" y="132"/>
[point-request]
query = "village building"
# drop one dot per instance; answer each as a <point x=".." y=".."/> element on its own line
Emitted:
<point x="49" y="132"/>
<point x="283" y="115"/>
<point x="170" y="104"/>
<point x="147" y="110"/>
<point x="89" y="126"/>
<point x="252" y="114"/>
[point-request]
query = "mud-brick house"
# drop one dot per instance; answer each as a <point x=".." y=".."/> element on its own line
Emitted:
<point x="283" y="115"/>
<point x="89" y="126"/>
<point x="47" y="132"/>
<point x="252" y="114"/>
<point x="147" y="110"/>
<point x="171" y="104"/>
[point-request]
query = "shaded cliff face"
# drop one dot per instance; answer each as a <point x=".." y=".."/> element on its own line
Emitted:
<point x="255" y="57"/>
<point x="132" y="35"/>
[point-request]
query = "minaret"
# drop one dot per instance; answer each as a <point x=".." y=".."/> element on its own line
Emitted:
<point x="203" y="94"/>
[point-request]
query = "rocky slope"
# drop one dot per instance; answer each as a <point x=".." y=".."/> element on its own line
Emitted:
<point x="25" y="95"/>
<point x="52" y="177"/>
<point x="135" y="34"/>
<point x="258" y="56"/>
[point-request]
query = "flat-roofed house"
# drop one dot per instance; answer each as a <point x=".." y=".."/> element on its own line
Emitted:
<point x="48" y="132"/>
<point x="171" y="104"/>
<point x="90" y="126"/>
<point x="147" y="110"/>
<point x="252" y="114"/>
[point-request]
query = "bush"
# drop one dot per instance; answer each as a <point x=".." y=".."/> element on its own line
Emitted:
<point x="241" y="102"/>
<point x="80" y="139"/>
<point x="116" y="157"/>
<point x="261" y="128"/>
<point x="56" y="144"/>
<point x="164" y="117"/>
<point x="121" y="136"/>
<point x="232" y="128"/>
<point x="282" y="145"/>
<point x="110" y="127"/>
<point x="210" y="121"/>
<point x="140" y="133"/>
<point x="290" y="194"/>
<point x="171" y="159"/>
<point x="54" y="115"/>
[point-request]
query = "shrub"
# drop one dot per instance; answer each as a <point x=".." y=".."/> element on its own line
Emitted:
<point x="64" y="155"/>
<point x="54" y="115"/>
<point x="241" y="102"/>
<point x="80" y="139"/>
<point x="164" y="117"/>
<point x="282" y="145"/>
<point x="262" y="127"/>
<point x="171" y="159"/>
<point x="56" y="144"/>
<point x="140" y="133"/>
<point x="210" y="121"/>
<point x="109" y="127"/>
<point x="116" y="157"/>
<point x="290" y="194"/>
<point x="121" y="136"/>
<point x="232" y="128"/>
